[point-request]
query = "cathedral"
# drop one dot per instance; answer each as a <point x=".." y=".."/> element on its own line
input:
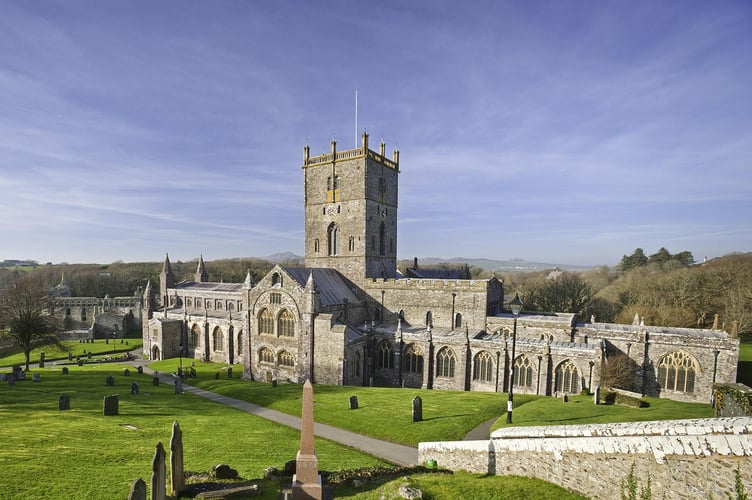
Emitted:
<point x="349" y="318"/>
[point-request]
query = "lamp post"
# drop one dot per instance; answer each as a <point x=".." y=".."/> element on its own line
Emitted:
<point x="516" y="306"/>
<point x="180" y="370"/>
<point x="114" y="342"/>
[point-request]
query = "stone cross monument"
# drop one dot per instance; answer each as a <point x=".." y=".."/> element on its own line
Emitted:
<point x="306" y="483"/>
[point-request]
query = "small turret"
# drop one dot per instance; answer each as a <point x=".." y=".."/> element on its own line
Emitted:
<point x="248" y="283"/>
<point x="201" y="275"/>
<point x="166" y="281"/>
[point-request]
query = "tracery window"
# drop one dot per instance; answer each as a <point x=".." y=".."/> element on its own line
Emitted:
<point x="385" y="355"/>
<point x="286" y="324"/>
<point x="195" y="336"/>
<point x="413" y="360"/>
<point x="285" y="359"/>
<point x="266" y="355"/>
<point x="523" y="372"/>
<point x="483" y="367"/>
<point x="219" y="339"/>
<point x="445" y="362"/>
<point x="266" y="322"/>
<point x="677" y="371"/>
<point x="567" y="378"/>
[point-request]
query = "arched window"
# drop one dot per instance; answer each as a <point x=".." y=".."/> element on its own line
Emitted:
<point x="382" y="240"/>
<point x="266" y="355"/>
<point x="67" y="311"/>
<point x="266" y="322"/>
<point x="413" y="360"/>
<point x="356" y="364"/>
<point x="676" y="372"/>
<point x="483" y="367"/>
<point x="567" y="378"/>
<point x="351" y="244"/>
<point x="188" y="302"/>
<point x="316" y="245"/>
<point x="276" y="279"/>
<point x="523" y="372"/>
<point x="286" y="324"/>
<point x="195" y="336"/>
<point x="429" y="319"/>
<point x="332" y="238"/>
<point x="218" y="339"/>
<point x="83" y="314"/>
<point x="458" y="320"/>
<point x="445" y="362"/>
<point x="239" y="343"/>
<point x="385" y="355"/>
<point x="199" y="303"/>
<point x="285" y="359"/>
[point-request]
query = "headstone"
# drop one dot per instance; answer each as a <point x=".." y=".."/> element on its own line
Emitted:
<point x="306" y="483"/>
<point x="138" y="490"/>
<point x="65" y="370"/>
<point x="70" y="356"/>
<point x="110" y="380"/>
<point x="134" y="388"/>
<point x="229" y="372"/>
<point x="80" y="362"/>
<point x="155" y="381"/>
<point x="274" y="382"/>
<point x="177" y="474"/>
<point x="140" y="370"/>
<point x="158" y="474"/>
<point x="224" y="471"/>
<point x="353" y="402"/>
<point x="565" y="398"/>
<point x="11" y="379"/>
<point x="111" y="404"/>
<point x="36" y="377"/>
<point x="178" y="386"/>
<point x="597" y="395"/>
<point x="21" y="375"/>
<point x="126" y="373"/>
<point x="106" y="341"/>
<point x="3" y="377"/>
<point x="63" y="402"/>
<point x="417" y="409"/>
<point x="88" y="355"/>
<point x="41" y="360"/>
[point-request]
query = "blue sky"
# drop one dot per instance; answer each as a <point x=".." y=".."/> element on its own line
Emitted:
<point x="564" y="132"/>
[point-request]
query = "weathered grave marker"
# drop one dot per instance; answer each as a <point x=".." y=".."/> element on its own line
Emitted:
<point x="353" y="402"/>
<point x="138" y="490"/>
<point x="306" y="483"/>
<point x="111" y="404"/>
<point x="158" y="473"/>
<point x="134" y="388"/>
<point x="177" y="474"/>
<point x="417" y="409"/>
<point x="63" y="402"/>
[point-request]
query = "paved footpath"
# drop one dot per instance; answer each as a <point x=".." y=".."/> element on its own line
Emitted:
<point x="395" y="453"/>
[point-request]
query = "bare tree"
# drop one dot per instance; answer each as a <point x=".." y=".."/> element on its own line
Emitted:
<point x="618" y="371"/>
<point x="24" y="312"/>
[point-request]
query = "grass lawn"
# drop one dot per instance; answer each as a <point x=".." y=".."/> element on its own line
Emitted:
<point x="459" y="486"/>
<point x="51" y="352"/>
<point x="383" y="413"/>
<point x="79" y="453"/>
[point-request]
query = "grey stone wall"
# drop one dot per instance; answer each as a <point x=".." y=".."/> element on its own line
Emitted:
<point x="683" y="458"/>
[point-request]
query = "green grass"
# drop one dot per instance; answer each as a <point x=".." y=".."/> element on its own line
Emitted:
<point x="79" y="453"/>
<point x="382" y="413"/>
<point x="51" y="352"/>
<point x="459" y="486"/>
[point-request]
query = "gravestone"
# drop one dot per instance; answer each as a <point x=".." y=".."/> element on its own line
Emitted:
<point x="70" y="356"/>
<point x="229" y="372"/>
<point x="158" y="474"/>
<point x="63" y="402"/>
<point x="36" y="377"/>
<point x="126" y="373"/>
<point x="597" y="395"/>
<point x="140" y="370"/>
<point x="111" y="404"/>
<point x="3" y="377"/>
<point x="306" y="483"/>
<point x="80" y="362"/>
<point x="11" y="379"/>
<point x="138" y="490"/>
<point x="417" y="409"/>
<point x="178" y="387"/>
<point x="88" y="355"/>
<point x="353" y="402"/>
<point x="274" y="382"/>
<point x="106" y="341"/>
<point x="155" y="381"/>
<point x="41" y="360"/>
<point x="110" y="380"/>
<point x="565" y="398"/>
<point x="65" y="370"/>
<point x="193" y="372"/>
<point x="177" y="473"/>
<point x="134" y="388"/>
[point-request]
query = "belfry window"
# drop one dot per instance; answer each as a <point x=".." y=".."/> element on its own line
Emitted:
<point x="332" y="239"/>
<point x="382" y="243"/>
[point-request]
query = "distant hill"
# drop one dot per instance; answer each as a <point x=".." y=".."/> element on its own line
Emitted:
<point x="500" y="265"/>
<point x="283" y="257"/>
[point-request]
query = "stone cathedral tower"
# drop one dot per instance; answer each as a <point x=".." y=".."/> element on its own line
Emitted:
<point x="351" y="211"/>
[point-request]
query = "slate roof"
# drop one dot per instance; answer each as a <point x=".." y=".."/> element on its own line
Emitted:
<point x="332" y="286"/>
<point x="209" y="287"/>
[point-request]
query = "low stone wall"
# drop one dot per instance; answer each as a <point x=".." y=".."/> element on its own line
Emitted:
<point x="683" y="458"/>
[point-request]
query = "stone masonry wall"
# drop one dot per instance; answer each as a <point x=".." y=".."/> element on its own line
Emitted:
<point x="683" y="458"/>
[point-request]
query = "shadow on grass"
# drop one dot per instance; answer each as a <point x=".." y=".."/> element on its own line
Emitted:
<point x="446" y="416"/>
